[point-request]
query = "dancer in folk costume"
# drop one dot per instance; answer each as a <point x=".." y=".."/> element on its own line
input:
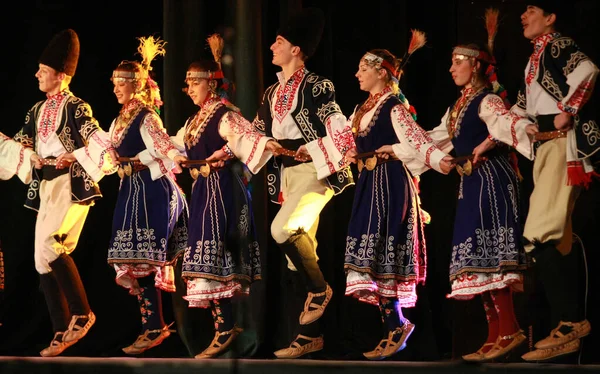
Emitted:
<point x="487" y="255"/>
<point x="150" y="218"/>
<point x="222" y="257"/>
<point x="559" y="80"/>
<point x="14" y="160"/>
<point x="301" y="113"/>
<point x="63" y="131"/>
<point x="385" y="247"/>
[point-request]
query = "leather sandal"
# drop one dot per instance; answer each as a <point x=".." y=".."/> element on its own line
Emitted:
<point x="548" y="353"/>
<point x="75" y="331"/>
<point x="143" y="342"/>
<point x="557" y="338"/>
<point x="393" y="346"/>
<point x="312" y="311"/>
<point x="498" y="350"/>
<point x="296" y="350"/>
<point x="57" y="345"/>
<point x="376" y="354"/>
<point x="216" y="348"/>
<point x="479" y="355"/>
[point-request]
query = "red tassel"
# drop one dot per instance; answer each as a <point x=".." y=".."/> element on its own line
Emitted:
<point x="576" y="175"/>
<point x="280" y="197"/>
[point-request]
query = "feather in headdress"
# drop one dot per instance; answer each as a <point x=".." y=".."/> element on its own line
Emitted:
<point x="491" y="25"/>
<point x="149" y="48"/>
<point x="417" y="40"/>
<point x="215" y="42"/>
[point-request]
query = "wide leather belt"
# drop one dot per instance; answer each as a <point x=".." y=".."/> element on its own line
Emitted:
<point x="549" y="135"/>
<point x="370" y="163"/>
<point x="129" y="168"/>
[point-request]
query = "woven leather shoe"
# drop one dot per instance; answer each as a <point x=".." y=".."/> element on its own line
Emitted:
<point x="143" y="342"/>
<point x="557" y="338"/>
<point x="546" y="354"/>
<point x="215" y="348"/>
<point x="478" y="356"/>
<point x="296" y="350"/>
<point x="394" y="346"/>
<point x="57" y="345"/>
<point x="309" y="315"/>
<point x="498" y="350"/>
<point x="75" y="331"/>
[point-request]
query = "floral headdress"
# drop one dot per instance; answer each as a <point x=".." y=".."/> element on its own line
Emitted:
<point x="148" y="49"/>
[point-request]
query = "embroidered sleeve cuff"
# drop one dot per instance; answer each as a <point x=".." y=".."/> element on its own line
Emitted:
<point x="325" y="156"/>
<point x="24" y="171"/>
<point x="228" y="151"/>
<point x="567" y="109"/>
<point x="173" y="153"/>
<point x="434" y="159"/>
<point x="258" y="156"/>
<point x="89" y="165"/>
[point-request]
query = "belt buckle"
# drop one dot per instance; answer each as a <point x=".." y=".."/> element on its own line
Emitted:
<point x="205" y="170"/>
<point x="371" y="163"/>
<point x="465" y="169"/>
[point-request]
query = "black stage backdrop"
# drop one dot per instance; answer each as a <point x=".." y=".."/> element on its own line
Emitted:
<point x="108" y="31"/>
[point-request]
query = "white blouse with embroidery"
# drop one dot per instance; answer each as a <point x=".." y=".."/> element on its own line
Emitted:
<point x="14" y="160"/>
<point x="415" y="148"/>
<point x="243" y="140"/>
<point x="503" y="125"/>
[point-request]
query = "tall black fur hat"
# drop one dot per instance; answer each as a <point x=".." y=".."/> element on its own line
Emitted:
<point x="304" y="29"/>
<point x="62" y="53"/>
<point x="548" y="6"/>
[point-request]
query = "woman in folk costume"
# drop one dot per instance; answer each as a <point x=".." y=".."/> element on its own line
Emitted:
<point x="385" y="247"/>
<point x="150" y="217"/>
<point x="487" y="254"/>
<point x="222" y="256"/>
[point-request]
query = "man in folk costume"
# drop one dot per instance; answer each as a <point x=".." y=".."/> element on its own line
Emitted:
<point x="559" y="80"/>
<point x="62" y="130"/>
<point x="14" y="160"/>
<point x="301" y="113"/>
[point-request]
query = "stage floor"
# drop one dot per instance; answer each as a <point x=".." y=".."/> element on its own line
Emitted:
<point x="77" y="365"/>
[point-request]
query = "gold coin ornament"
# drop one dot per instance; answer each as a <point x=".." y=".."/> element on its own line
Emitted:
<point x="128" y="170"/>
<point x="194" y="173"/>
<point x="371" y="163"/>
<point x="205" y="170"/>
<point x="468" y="167"/>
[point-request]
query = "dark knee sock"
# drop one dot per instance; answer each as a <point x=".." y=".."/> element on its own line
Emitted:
<point x="391" y="313"/>
<point x="555" y="272"/>
<point x="70" y="283"/>
<point x="572" y="311"/>
<point x="299" y="248"/>
<point x="312" y="330"/>
<point x="222" y="311"/>
<point x="150" y="302"/>
<point x="56" y="302"/>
